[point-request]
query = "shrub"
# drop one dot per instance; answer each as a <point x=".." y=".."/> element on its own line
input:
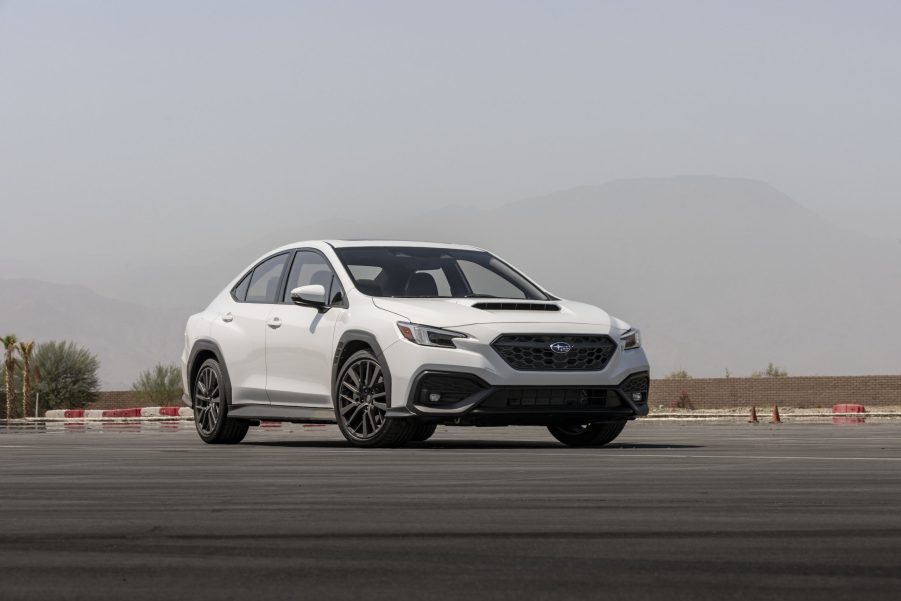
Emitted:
<point x="678" y="375"/>
<point x="159" y="386"/>
<point x="684" y="402"/>
<point x="771" y="371"/>
<point x="68" y="375"/>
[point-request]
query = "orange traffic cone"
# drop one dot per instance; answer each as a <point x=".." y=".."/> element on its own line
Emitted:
<point x="753" y="419"/>
<point x="775" y="419"/>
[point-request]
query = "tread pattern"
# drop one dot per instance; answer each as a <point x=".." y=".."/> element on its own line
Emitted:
<point x="595" y="435"/>
<point x="422" y="432"/>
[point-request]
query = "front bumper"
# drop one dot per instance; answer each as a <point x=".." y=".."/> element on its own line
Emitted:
<point x="456" y="397"/>
<point x="546" y="396"/>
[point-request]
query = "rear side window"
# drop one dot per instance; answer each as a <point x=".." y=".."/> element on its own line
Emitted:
<point x="241" y="289"/>
<point x="264" y="281"/>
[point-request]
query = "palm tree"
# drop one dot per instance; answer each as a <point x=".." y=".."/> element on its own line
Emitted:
<point x="9" y="364"/>
<point x="25" y="350"/>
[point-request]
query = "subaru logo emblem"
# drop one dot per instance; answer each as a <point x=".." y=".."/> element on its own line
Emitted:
<point x="561" y="347"/>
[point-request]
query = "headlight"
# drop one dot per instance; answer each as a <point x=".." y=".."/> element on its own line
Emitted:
<point x="631" y="339"/>
<point x="428" y="336"/>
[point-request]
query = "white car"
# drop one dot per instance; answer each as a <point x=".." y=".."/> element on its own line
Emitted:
<point x="390" y="339"/>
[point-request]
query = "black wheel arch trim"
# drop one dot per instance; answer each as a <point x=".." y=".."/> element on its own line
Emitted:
<point x="370" y="340"/>
<point x="205" y="345"/>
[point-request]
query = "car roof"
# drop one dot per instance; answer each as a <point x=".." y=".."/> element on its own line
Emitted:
<point x="410" y="243"/>
<point x="325" y="244"/>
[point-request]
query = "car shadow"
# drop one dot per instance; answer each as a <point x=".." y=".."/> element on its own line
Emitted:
<point x="466" y="445"/>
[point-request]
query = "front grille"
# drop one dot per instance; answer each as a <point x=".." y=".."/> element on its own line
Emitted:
<point x="532" y="352"/>
<point x="553" y="398"/>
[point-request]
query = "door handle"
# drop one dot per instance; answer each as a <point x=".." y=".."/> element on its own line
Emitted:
<point x="228" y="317"/>
<point x="274" y="323"/>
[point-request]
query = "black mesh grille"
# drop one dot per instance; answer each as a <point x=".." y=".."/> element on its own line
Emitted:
<point x="532" y="352"/>
<point x="538" y="397"/>
<point x="636" y="383"/>
<point x="451" y="388"/>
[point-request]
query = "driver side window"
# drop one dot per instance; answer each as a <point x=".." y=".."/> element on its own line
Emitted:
<point x="311" y="268"/>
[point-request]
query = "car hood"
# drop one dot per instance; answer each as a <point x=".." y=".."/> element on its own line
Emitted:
<point x="458" y="312"/>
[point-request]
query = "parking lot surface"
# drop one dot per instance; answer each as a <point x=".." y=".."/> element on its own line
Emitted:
<point x="669" y="511"/>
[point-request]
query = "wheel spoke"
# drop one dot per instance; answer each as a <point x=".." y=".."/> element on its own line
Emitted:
<point x="374" y="377"/>
<point x="353" y="376"/>
<point x="357" y="410"/>
<point x="207" y="401"/>
<point x="362" y="399"/>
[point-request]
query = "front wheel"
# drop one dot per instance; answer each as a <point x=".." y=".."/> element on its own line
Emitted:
<point x="211" y="408"/>
<point x="361" y="403"/>
<point x="588" y="435"/>
<point x="423" y="432"/>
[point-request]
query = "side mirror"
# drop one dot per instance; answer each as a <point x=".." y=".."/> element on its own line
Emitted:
<point x="311" y="295"/>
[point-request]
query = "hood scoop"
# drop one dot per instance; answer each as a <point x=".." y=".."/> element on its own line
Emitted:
<point x="516" y="306"/>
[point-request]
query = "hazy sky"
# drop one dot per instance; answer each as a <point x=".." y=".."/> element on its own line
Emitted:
<point x="138" y="129"/>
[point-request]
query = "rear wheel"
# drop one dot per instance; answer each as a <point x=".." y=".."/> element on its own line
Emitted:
<point x="361" y="404"/>
<point x="588" y="435"/>
<point x="211" y="408"/>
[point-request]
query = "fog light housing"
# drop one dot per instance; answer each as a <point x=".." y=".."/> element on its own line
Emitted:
<point x="638" y="397"/>
<point x="434" y="397"/>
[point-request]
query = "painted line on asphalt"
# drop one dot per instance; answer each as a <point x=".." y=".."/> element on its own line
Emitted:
<point x="637" y="455"/>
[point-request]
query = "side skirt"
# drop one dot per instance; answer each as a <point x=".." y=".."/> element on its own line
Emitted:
<point x="284" y="413"/>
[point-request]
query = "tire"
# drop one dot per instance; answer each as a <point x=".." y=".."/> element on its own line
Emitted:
<point x="210" y="400"/>
<point x="361" y="399"/>
<point x="590" y="435"/>
<point x="422" y="432"/>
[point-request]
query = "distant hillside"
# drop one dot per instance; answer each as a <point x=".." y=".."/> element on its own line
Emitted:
<point x="718" y="272"/>
<point x="126" y="337"/>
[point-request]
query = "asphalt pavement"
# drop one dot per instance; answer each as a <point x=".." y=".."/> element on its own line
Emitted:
<point x="670" y="511"/>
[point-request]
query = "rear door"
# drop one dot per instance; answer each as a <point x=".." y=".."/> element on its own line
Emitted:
<point x="300" y="340"/>
<point x="241" y="329"/>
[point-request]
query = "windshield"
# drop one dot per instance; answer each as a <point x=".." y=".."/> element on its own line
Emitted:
<point x="411" y="272"/>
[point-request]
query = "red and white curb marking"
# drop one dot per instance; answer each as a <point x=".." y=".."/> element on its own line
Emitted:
<point x="131" y="413"/>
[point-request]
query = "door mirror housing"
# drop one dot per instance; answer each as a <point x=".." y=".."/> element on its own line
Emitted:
<point x="311" y="295"/>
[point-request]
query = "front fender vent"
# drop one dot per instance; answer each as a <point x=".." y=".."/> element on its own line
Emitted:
<point x="516" y="306"/>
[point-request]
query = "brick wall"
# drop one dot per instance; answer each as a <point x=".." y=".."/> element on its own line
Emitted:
<point x="816" y="391"/>
<point x="117" y="399"/>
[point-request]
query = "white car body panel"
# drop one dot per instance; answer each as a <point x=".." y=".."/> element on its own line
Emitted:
<point x="298" y="352"/>
<point x="293" y="365"/>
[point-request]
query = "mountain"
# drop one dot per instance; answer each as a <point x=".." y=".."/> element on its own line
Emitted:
<point x="126" y="337"/>
<point x="718" y="272"/>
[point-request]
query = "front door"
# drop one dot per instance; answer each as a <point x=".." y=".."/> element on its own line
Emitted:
<point x="300" y="340"/>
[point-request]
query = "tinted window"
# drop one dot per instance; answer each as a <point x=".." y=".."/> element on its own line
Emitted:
<point x="308" y="268"/>
<point x="413" y="272"/>
<point x="265" y="279"/>
<point x="337" y="297"/>
<point x="241" y="288"/>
